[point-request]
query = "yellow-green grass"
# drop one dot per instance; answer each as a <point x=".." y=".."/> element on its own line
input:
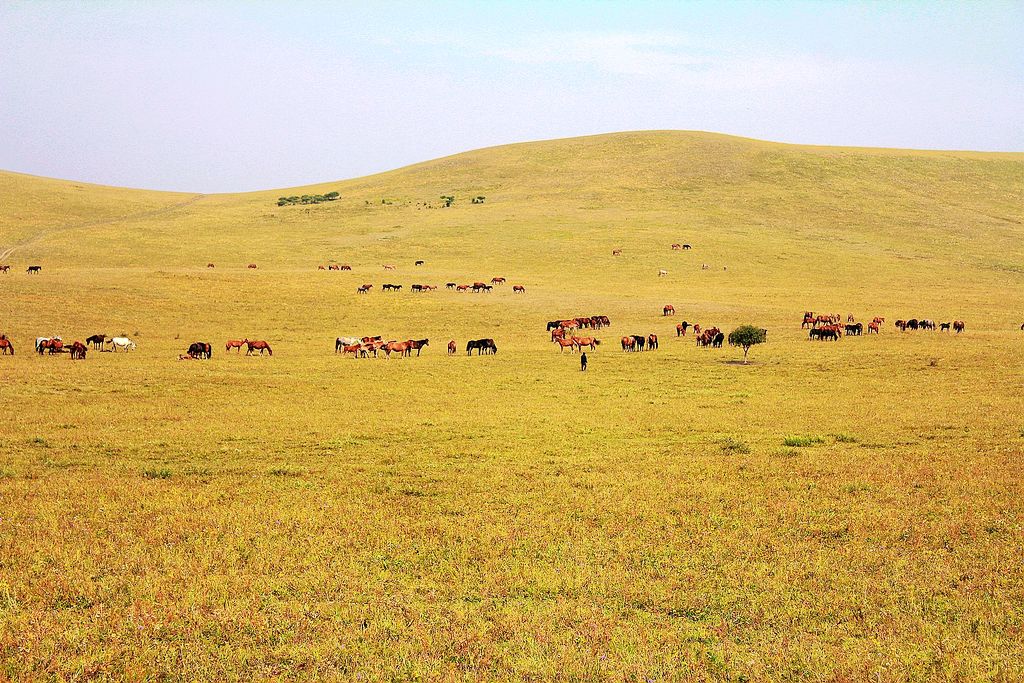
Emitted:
<point x="510" y="517"/>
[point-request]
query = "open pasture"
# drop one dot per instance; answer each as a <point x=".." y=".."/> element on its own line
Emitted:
<point x="833" y="511"/>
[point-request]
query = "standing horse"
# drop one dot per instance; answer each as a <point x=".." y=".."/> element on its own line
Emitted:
<point x="652" y="342"/>
<point x="681" y="329"/>
<point x="958" y="326"/>
<point x="5" y="269"/>
<point x="32" y="270"/>
<point x="235" y="344"/>
<point x="258" y="345"/>
<point x="6" y="345"/>
<point x="418" y="344"/>
<point x="452" y="348"/>
<point x="251" y="266"/>
<point x="628" y="344"/>
<point x="662" y="273"/>
<point x="668" y="310"/>
<point x="96" y="340"/>
<point x="78" y="350"/>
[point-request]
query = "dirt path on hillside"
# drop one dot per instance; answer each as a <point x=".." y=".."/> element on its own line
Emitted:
<point x="6" y="253"/>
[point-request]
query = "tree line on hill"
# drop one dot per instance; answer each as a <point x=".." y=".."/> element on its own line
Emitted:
<point x="308" y="199"/>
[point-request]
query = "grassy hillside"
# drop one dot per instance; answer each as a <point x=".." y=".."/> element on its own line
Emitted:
<point x="833" y="511"/>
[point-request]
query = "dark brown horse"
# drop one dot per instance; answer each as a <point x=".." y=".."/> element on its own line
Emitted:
<point x="96" y="340"/>
<point x="258" y="345"/>
<point x="78" y="350"/>
<point x="668" y="310"/>
<point x="251" y="266"/>
<point x="209" y="265"/>
<point x="32" y="270"/>
<point x="452" y="348"/>
<point x="519" y="288"/>
<point x="958" y="326"/>
<point x="418" y="344"/>
<point x="5" y="269"/>
<point x="345" y="267"/>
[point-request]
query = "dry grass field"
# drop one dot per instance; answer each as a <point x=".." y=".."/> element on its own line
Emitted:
<point x="845" y="511"/>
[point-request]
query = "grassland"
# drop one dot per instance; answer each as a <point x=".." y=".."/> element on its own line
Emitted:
<point x="832" y="512"/>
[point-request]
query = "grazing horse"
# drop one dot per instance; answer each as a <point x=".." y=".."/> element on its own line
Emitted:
<point x="681" y="329"/>
<point x="344" y="266"/>
<point x="958" y="326"/>
<point x="452" y="348"/>
<point x="945" y="327"/>
<point x="912" y="324"/>
<point x="519" y="288"/>
<point x="616" y="252"/>
<point x="210" y="265"/>
<point x="676" y="247"/>
<point x="320" y="267"/>
<point x="123" y="343"/>
<point x="461" y="288"/>
<point x="652" y="342"/>
<point x="668" y="310"/>
<point x="872" y="327"/>
<point x="418" y="344"/>
<point x="32" y="270"/>
<point x="258" y="345"/>
<point x="54" y="345"/>
<point x="482" y="346"/>
<point x="251" y="266"/>
<point x="363" y="289"/>
<point x="824" y="334"/>
<point x="662" y="273"/>
<point x="928" y="325"/>
<point x="387" y="287"/>
<point x="96" y="340"/>
<point x="902" y="325"/>
<point x="6" y="345"/>
<point x="686" y="247"/>
<point x="497" y="280"/>
<point x="388" y="266"/>
<point x="78" y="350"/>
<point x="200" y="350"/>
<point x="564" y="344"/>
<point x="450" y="285"/>
<point x="628" y="344"/>
<point x="419" y="263"/>
<point x="5" y="269"/>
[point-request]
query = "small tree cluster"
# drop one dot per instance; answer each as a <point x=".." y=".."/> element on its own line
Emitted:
<point x="478" y="200"/>
<point x="308" y="199"/>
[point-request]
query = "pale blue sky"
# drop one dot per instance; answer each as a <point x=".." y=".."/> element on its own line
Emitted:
<point x="225" y="96"/>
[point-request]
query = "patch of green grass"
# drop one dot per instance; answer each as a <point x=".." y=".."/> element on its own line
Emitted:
<point x="802" y="441"/>
<point x="284" y="472"/>
<point x="845" y="438"/>
<point x="731" y="446"/>
<point x="157" y="473"/>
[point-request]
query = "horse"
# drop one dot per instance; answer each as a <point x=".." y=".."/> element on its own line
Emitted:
<point x="902" y="325"/>
<point x="652" y="342"/>
<point x="878" y="319"/>
<point x="354" y="349"/>
<point x="345" y="341"/>
<point x="668" y="310"/>
<point x="662" y="273"/>
<point x="959" y="326"/>
<point x="854" y="329"/>
<point x="557" y="333"/>
<point x="32" y="270"/>
<point x="53" y="345"/>
<point x="640" y="341"/>
<point x="592" y="342"/>
<point x="850" y="318"/>
<point x="210" y="265"/>
<point x="564" y="344"/>
<point x="676" y="247"/>
<point x="450" y="285"/>
<point x="497" y="280"/>
<point x="363" y="289"/>
<point x="200" y="350"/>
<point x="824" y="334"/>
<point x="482" y="346"/>
<point x="872" y="327"/>
<point x="96" y="340"/>
<point x="452" y="348"/>
<point x="519" y="288"/>
<point x="945" y="327"/>
<point x="258" y="345"/>
<point x="686" y="247"/>
<point x="388" y="266"/>
<point x="78" y="350"/>
<point x="6" y="345"/>
<point x="344" y="267"/>
<point x="616" y="252"/>
<point x="123" y="343"/>
<point x="419" y="263"/>
<point x="716" y="342"/>
<point x="321" y="267"/>
<point x="251" y="266"/>
<point x="912" y="324"/>
<point x="402" y="348"/>
<point x="928" y="325"/>
<point x="235" y="344"/>
<point x="461" y="288"/>
<point x="5" y="269"/>
<point x="681" y="329"/>
<point x="418" y="344"/>
<point x="416" y="288"/>
<point x="387" y="287"/>
<point x="333" y="266"/>
<point x="628" y="344"/>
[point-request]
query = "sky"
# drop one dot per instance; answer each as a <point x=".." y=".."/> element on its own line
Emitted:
<point x="233" y="96"/>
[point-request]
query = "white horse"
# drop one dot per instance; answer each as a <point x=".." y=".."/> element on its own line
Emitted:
<point x="40" y="340"/>
<point x="123" y="343"/>
<point x="662" y="273"/>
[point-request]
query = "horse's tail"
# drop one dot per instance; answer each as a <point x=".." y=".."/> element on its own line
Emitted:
<point x="270" y="350"/>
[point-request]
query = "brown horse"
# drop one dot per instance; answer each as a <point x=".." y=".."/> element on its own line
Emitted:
<point x="628" y="343"/>
<point x="958" y="326"/>
<point x="258" y="345"/>
<point x="616" y="252"/>
<point x="461" y="288"/>
<point x="497" y="280"/>
<point x="51" y="345"/>
<point x="235" y="344"/>
<point x="519" y="288"/>
<point x="363" y="289"/>
<point x="210" y="265"/>
<point x="452" y="348"/>
<point x="676" y="247"/>
<point x="668" y="310"/>
<point x="652" y="341"/>
<point x="251" y="266"/>
<point x="5" y="269"/>
<point x="681" y="329"/>
<point x="321" y="267"/>
<point x="592" y="342"/>
<point x="6" y="345"/>
<point x="872" y="327"/>
<point x="418" y="345"/>
<point x="401" y="348"/>
<point x="334" y="266"/>
<point x="78" y="350"/>
<point x="345" y="267"/>
<point x="566" y="344"/>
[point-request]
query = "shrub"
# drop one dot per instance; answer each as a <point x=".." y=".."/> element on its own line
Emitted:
<point x="800" y="441"/>
<point x="157" y="473"/>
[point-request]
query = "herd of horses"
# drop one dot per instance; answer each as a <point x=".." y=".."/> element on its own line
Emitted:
<point x="31" y="270"/>
<point x="830" y="327"/>
<point x="476" y="287"/>
<point x="76" y="349"/>
<point x="362" y="347"/>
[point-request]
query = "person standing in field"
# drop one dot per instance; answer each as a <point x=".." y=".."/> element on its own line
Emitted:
<point x="583" y="362"/>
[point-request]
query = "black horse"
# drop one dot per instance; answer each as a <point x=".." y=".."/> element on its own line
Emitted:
<point x="200" y="350"/>
<point x="33" y="269"/>
<point x="640" y="341"/>
<point x="96" y="340"/>
<point x="482" y="346"/>
<point x="716" y="342"/>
